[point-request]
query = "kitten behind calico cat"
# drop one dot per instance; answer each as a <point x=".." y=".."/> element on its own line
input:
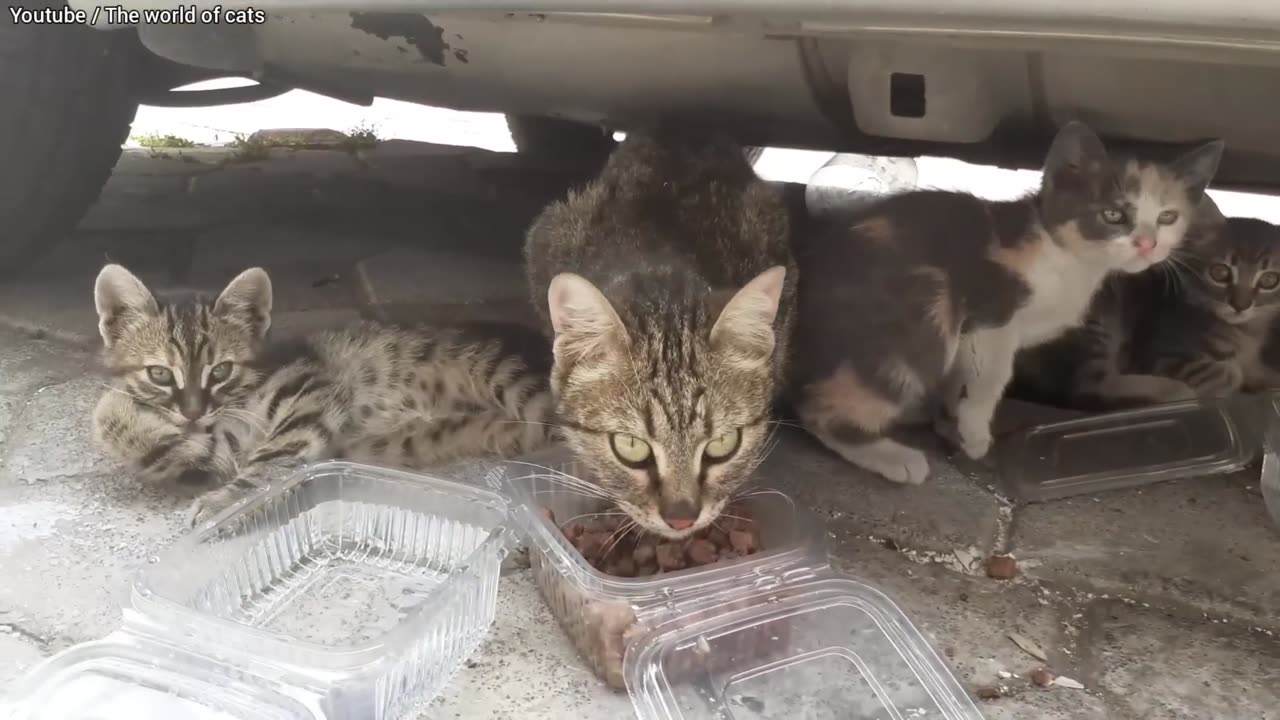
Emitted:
<point x="1200" y="326"/>
<point x="668" y="285"/>
<point x="934" y="292"/>
<point x="199" y="393"/>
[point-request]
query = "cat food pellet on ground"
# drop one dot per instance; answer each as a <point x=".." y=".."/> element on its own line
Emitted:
<point x="1001" y="567"/>
<point x="1041" y="678"/>
<point x="703" y="552"/>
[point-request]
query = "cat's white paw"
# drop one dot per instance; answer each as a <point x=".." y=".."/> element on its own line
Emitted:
<point x="972" y="437"/>
<point x="891" y="460"/>
<point x="975" y="441"/>
<point x="912" y="468"/>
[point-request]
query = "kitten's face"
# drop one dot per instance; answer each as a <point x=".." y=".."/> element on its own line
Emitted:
<point x="1127" y="214"/>
<point x="1235" y="272"/>
<point x="186" y="358"/>
<point x="670" y="415"/>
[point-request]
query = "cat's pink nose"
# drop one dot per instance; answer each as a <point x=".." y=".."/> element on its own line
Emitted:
<point x="1145" y="244"/>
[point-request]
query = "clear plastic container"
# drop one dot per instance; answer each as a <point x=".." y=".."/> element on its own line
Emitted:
<point x="1128" y="449"/>
<point x="1270" y="479"/>
<point x="753" y="637"/>
<point x="355" y="590"/>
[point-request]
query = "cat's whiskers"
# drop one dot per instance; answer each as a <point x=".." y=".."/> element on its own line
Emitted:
<point x="562" y="523"/>
<point x="617" y="537"/>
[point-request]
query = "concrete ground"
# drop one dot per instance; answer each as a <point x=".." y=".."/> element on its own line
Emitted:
<point x="1159" y="602"/>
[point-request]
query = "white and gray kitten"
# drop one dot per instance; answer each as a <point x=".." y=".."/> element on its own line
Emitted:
<point x="1202" y="325"/>
<point x="931" y="294"/>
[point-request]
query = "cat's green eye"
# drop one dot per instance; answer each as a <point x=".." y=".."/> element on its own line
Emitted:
<point x="1168" y="217"/>
<point x="1112" y="217"/>
<point x="160" y="375"/>
<point x="220" y="372"/>
<point x="723" y="445"/>
<point x="1220" y="273"/>
<point x="630" y="449"/>
<point x="1269" y="280"/>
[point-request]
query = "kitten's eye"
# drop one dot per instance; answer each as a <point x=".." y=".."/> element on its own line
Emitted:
<point x="1269" y="280"/>
<point x="1220" y="273"/>
<point x="1112" y="217"/>
<point x="630" y="449"/>
<point x="220" y="372"/>
<point x="1168" y="217"/>
<point x="160" y="375"/>
<point x="723" y="445"/>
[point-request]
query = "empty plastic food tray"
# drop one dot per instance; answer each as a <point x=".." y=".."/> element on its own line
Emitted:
<point x="1128" y="449"/>
<point x="349" y="592"/>
<point x="753" y="637"/>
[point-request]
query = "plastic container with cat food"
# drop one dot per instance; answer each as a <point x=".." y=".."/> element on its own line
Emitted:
<point x="346" y="592"/>
<point x="754" y="635"/>
<point x="1129" y="448"/>
<point x="1269" y="482"/>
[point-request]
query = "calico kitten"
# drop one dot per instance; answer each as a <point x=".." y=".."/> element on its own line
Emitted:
<point x="1202" y="325"/>
<point x="199" y="392"/>
<point x="668" y="285"/>
<point x="928" y="295"/>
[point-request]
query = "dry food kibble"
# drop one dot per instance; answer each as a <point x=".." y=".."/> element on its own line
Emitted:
<point x="1001" y="567"/>
<point x="1041" y="678"/>
<point x="602" y="627"/>
<point x="627" y="553"/>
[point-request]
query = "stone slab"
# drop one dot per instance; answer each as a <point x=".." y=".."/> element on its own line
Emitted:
<point x="1207" y="542"/>
<point x="403" y="276"/>
<point x="1160" y="667"/>
<point x="949" y="511"/>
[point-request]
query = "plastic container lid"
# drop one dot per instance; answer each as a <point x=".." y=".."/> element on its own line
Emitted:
<point x="1270" y="480"/>
<point x="835" y="647"/>
<point x="1127" y="449"/>
<point x="359" y="589"/>
<point x="125" y="678"/>
<point x="755" y="637"/>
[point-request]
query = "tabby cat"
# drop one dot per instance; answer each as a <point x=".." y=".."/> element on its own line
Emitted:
<point x="928" y="295"/>
<point x="199" y="393"/>
<point x="1201" y="325"/>
<point x="668" y="286"/>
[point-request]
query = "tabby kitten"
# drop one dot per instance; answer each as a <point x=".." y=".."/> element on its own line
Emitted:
<point x="928" y="295"/>
<point x="1200" y="326"/>
<point x="200" y="394"/>
<point x="668" y="285"/>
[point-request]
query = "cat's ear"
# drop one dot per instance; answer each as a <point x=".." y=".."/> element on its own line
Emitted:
<point x="1076" y="155"/>
<point x="247" y="300"/>
<point x="584" y="321"/>
<point x="1197" y="167"/>
<point x="745" y="325"/>
<point x="119" y="296"/>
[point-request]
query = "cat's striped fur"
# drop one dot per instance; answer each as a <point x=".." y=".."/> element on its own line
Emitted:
<point x="199" y="393"/>
<point x="669" y="288"/>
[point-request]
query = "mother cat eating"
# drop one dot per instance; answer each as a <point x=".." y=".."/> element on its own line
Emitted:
<point x="669" y="287"/>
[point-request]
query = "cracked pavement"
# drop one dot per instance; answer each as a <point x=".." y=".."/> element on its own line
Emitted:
<point x="1159" y="601"/>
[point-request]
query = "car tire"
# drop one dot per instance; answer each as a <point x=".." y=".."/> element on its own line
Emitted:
<point x="68" y="105"/>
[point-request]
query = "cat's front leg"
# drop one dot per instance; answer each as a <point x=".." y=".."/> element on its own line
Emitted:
<point x="151" y="443"/>
<point x="974" y="387"/>
<point x="1207" y="377"/>
<point x="275" y="458"/>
